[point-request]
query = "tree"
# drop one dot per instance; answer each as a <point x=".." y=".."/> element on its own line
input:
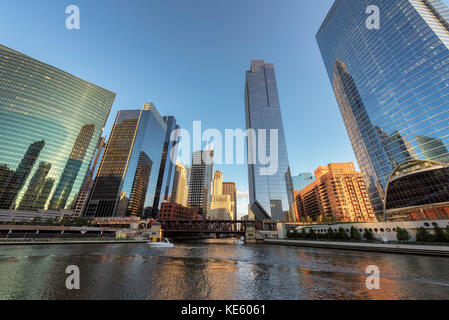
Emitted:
<point x="312" y="234"/>
<point x="330" y="233"/>
<point x="342" y="234"/>
<point x="303" y="233"/>
<point x="80" y="221"/>
<point x="36" y="221"/>
<point x="402" y="234"/>
<point x="422" y="235"/>
<point x="355" y="234"/>
<point x="440" y="235"/>
<point x="294" y="234"/>
<point x="368" y="235"/>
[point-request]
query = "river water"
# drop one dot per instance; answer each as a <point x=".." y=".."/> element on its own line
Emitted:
<point x="216" y="271"/>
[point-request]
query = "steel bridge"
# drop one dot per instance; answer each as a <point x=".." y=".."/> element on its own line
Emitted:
<point x="205" y="226"/>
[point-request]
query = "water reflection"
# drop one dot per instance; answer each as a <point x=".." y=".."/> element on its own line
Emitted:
<point x="216" y="271"/>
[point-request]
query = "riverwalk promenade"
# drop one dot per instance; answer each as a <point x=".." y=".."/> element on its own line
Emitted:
<point x="430" y="250"/>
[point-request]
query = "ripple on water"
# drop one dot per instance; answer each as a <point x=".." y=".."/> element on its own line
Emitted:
<point x="191" y="271"/>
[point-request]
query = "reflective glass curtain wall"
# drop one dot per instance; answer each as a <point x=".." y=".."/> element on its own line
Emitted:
<point x="127" y="177"/>
<point x="50" y="123"/>
<point x="167" y="170"/>
<point x="271" y="196"/>
<point x="391" y="84"/>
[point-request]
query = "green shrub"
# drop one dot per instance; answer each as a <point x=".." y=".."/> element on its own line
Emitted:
<point x="342" y="234"/>
<point x="312" y="234"/>
<point x="355" y="234"/>
<point x="441" y="235"/>
<point x="422" y="235"/>
<point x="330" y="234"/>
<point x="368" y="235"/>
<point x="293" y="235"/>
<point x="402" y="234"/>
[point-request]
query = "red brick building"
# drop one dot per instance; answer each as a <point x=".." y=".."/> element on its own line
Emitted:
<point x="175" y="211"/>
<point x="339" y="193"/>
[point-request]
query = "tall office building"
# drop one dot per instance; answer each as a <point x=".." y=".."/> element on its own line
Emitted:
<point x="72" y="167"/>
<point x="45" y="115"/>
<point x="221" y="205"/>
<point x="180" y="190"/>
<point x="271" y="196"/>
<point x="127" y="178"/>
<point x="83" y="195"/>
<point x="188" y="172"/>
<point x="391" y="83"/>
<point x="29" y="199"/>
<point x="218" y="183"/>
<point x="230" y="190"/>
<point x="302" y="180"/>
<point x="200" y="181"/>
<point x="166" y="171"/>
<point x="338" y="194"/>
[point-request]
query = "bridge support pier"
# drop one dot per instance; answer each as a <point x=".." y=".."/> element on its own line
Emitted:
<point x="156" y="232"/>
<point x="250" y="233"/>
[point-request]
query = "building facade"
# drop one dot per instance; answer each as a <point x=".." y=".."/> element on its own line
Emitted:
<point x="221" y="206"/>
<point x="271" y="195"/>
<point x="230" y="189"/>
<point x="418" y="190"/>
<point x="167" y="169"/>
<point x="391" y="83"/>
<point x="180" y="192"/>
<point x="83" y="195"/>
<point x="126" y="181"/>
<point x="338" y="194"/>
<point x="302" y="180"/>
<point x="50" y="123"/>
<point x="200" y="195"/>
<point x="176" y="211"/>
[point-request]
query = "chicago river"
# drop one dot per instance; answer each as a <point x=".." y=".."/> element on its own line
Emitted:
<point x="216" y="271"/>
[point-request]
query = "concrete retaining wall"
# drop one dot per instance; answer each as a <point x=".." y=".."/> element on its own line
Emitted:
<point x="373" y="247"/>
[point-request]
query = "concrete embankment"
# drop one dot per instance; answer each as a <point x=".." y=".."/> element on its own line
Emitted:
<point x="373" y="247"/>
<point x="35" y="243"/>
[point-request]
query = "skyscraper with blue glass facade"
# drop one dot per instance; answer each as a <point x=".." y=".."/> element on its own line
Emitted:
<point x="302" y="180"/>
<point x="391" y="83"/>
<point x="200" y="178"/>
<point x="271" y="195"/>
<point x="127" y="177"/>
<point x="168" y="163"/>
<point x="50" y="123"/>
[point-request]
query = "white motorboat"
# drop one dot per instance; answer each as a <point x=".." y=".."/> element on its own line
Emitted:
<point x="162" y="244"/>
<point x="239" y="241"/>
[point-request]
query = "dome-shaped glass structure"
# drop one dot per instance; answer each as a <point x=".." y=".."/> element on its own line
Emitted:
<point x="418" y="189"/>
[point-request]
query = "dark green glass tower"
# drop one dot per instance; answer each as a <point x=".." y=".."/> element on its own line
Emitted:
<point x="50" y="123"/>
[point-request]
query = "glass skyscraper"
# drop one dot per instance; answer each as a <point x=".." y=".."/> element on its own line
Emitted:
<point x="127" y="178"/>
<point x="167" y="169"/>
<point x="302" y="180"/>
<point x="50" y="123"/>
<point x="271" y="196"/>
<point x="392" y="83"/>
<point x="200" y="195"/>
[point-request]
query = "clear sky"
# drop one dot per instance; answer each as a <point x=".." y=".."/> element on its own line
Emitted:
<point x="189" y="57"/>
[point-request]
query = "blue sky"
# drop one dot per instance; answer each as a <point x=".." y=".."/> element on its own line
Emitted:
<point x="189" y="57"/>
